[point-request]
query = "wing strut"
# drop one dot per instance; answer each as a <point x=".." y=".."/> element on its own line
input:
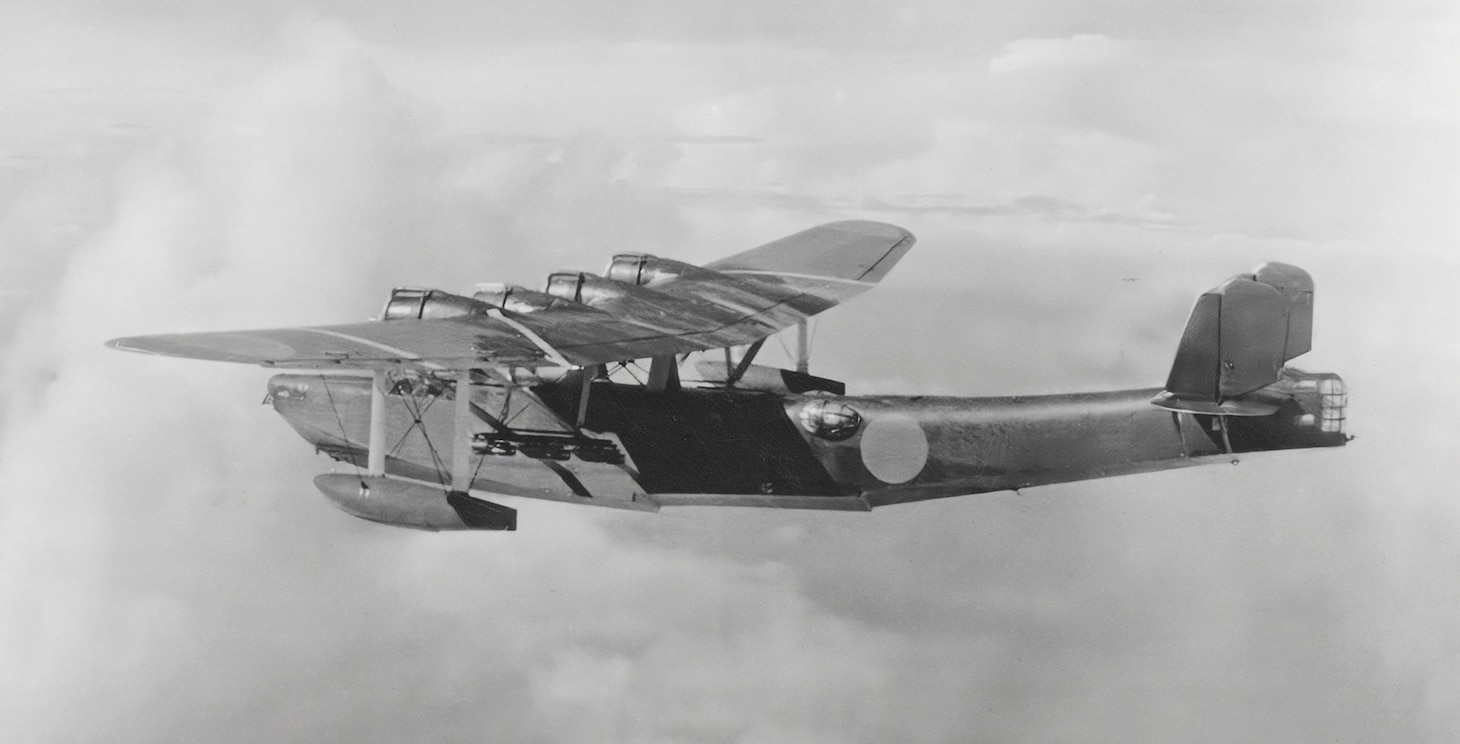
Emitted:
<point x="375" y="457"/>
<point x="586" y="387"/>
<point x="733" y="374"/>
<point x="461" y="438"/>
<point x="664" y="374"/>
<point x="803" y="348"/>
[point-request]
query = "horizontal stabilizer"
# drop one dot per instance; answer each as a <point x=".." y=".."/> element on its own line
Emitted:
<point x="1238" y="338"/>
<point x="1233" y="407"/>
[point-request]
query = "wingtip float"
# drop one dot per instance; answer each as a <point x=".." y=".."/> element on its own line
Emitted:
<point x="573" y="394"/>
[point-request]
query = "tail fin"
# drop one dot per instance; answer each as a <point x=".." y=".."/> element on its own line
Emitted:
<point x="1237" y="340"/>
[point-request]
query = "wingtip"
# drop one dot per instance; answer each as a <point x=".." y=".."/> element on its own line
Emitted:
<point x="873" y="228"/>
<point x="128" y="344"/>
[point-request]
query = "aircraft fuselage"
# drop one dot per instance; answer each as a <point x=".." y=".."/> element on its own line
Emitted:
<point x="641" y="449"/>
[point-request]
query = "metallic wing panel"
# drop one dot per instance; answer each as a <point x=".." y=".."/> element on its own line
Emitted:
<point x="836" y="254"/>
<point x="433" y="344"/>
<point x="732" y="302"/>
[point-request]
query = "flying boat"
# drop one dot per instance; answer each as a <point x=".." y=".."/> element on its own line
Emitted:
<point x="580" y="393"/>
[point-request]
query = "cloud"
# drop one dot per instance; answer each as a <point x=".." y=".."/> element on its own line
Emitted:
<point x="164" y="557"/>
<point x="1026" y="55"/>
<point x="173" y="572"/>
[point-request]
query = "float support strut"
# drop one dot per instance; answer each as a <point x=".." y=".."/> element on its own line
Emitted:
<point x="664" y="374"/>
<point x="803" y="347"/>
<point x="745" y="361"/>
<point x="585" y="388"/>
<point x="375" y="457"/>
<point x="461" y="438"/>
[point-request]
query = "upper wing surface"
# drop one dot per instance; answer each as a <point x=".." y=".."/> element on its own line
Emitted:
<point x="433" y="344"/>
<point x="731" y="302"/>
<point x="840" y="252"/>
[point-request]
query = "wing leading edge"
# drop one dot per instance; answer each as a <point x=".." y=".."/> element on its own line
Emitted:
<point x="731" y="302"/>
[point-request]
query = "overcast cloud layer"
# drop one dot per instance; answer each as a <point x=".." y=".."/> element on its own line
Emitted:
<point x="1076" y="174"/>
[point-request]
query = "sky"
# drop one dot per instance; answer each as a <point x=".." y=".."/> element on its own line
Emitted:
<point x="1076" y="174"/>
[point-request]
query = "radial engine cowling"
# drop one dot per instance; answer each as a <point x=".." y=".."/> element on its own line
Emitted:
<point x="642" y="269"/>
<point x="405" y="504"/>
<point x="515" y="298"/>
<point x="588" y="289"/>
<point x="409" y="303"/>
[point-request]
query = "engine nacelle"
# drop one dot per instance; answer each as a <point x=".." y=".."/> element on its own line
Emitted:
<point x="578" y="286"/>
<point x="411" y="303"/>
<point x="405" y="504"/>
<point x="514" y="298"/>
<point x="642" y="269"/>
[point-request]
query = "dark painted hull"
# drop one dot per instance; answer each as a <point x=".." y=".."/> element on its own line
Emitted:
<point x="718" y="447"/>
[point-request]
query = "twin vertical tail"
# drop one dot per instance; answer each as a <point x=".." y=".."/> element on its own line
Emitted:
<point x="1232" y="357"/>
